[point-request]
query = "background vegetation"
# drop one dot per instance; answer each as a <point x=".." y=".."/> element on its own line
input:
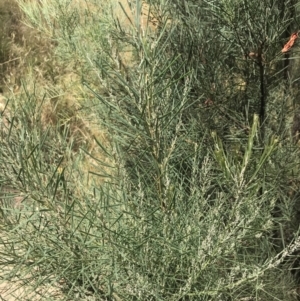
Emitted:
<point x="149" y="150"/>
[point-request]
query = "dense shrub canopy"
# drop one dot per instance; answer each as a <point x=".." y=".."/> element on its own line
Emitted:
<point x="190" y="191"/>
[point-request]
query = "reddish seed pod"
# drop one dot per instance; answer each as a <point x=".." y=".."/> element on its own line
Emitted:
<point x="290" y="43"/>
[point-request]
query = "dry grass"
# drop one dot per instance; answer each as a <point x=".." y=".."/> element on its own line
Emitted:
<point x="32" y="57"/>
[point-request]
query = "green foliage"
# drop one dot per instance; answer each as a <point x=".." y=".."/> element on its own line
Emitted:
<point x="198" y="204"/>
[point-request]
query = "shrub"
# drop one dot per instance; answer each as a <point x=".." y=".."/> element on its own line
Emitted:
<point x="193" y="203"/>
